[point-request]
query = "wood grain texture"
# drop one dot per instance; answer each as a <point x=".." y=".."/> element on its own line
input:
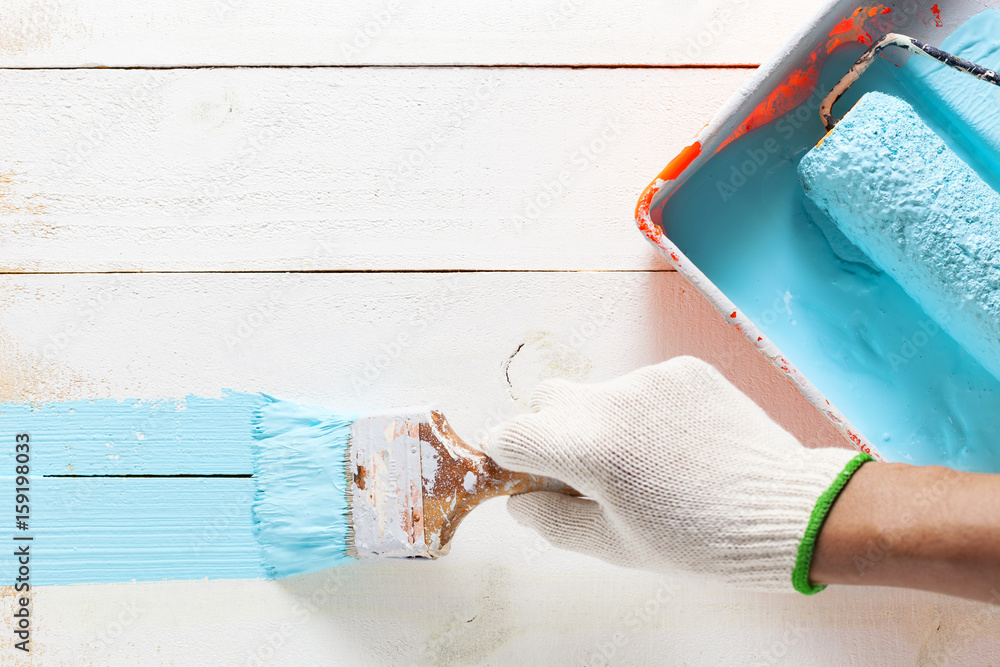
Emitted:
<point x="509" y="601"/>
<point x="334" y="169"/>
<point x="74" y="33"/>
<point x="475" y="344"/>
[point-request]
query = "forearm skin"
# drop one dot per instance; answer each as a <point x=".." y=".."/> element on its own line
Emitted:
<point x="928" y="528"/>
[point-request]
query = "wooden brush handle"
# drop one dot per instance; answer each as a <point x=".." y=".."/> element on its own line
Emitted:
<point x="464" y="478"/>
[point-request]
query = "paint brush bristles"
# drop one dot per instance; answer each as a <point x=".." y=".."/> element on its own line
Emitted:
<point x="332" y="486"/>
<point x="301" y="511"/>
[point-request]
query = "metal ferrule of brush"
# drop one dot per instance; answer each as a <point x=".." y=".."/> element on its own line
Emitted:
<point x="910" y="44"/>
<point x="411" y="480"/>
<point x="385" y="485"/>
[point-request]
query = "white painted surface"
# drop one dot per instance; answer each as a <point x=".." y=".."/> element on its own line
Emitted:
<point x="70" y="33"/>
<point x="333" y="168"/>
<point x="307" y="201"/>
<point x="475" y="343"/>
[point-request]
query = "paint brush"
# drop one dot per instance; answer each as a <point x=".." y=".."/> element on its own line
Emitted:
<point x="333" y="487"/>
<point x="242" y="486"/>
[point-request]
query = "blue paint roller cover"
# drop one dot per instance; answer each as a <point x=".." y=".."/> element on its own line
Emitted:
<point x="919" y="212"/>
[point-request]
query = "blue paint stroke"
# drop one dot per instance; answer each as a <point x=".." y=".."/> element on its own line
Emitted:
<point x="194" y="435"/>
<point x="100" y="529"/>
<point x="117" y="528"/>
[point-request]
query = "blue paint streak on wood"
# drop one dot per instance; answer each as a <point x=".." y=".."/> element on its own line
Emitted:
<point x="200" y="436"/>
<point x="90" y="529"/>
<point x="94" y="530"/>
<point x="106" y="505"/>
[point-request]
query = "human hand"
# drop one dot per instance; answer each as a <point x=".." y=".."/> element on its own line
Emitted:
<point x="678" y="471"/>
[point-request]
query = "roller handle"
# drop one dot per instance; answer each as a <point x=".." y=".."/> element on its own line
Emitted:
<point x="910" y="44"/>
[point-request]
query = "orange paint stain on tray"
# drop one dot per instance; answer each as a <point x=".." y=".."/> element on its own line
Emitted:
<point x="793" y="91"/>
<point x="642" y="215"/>
<point x="937" y="16"/>
<point x="673" y="169"/>
<point x="681" y="162"/>
<point x="842" y="27"/>
<point x="856" y="27"/>
<point x="800" y="84"/>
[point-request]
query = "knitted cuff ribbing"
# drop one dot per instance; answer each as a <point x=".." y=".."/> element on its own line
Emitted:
<point x="800" y="575"/>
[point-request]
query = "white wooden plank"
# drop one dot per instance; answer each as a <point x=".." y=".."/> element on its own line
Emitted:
<point x="521" y="603"/>
<point x="71" y="33"/>
<point x="476" y="343"/>
<point x="332" y="169"/>
<point x="502" y="596"/>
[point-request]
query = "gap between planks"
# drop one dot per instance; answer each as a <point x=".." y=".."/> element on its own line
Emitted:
<point x="141" y="476"/>
<point x="7" y="272"/>
<point x="747" y="66"/>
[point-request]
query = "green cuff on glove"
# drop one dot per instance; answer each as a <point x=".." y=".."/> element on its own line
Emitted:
<point x="800" y="575"/>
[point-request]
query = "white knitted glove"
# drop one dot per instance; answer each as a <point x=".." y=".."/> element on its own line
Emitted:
<point x="680" y="471"/>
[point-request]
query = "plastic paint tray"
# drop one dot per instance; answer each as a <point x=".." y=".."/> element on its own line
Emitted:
<point x="787" y="80"/>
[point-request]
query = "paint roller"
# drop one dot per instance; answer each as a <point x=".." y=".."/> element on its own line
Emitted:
<point x="908" y="201"/>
